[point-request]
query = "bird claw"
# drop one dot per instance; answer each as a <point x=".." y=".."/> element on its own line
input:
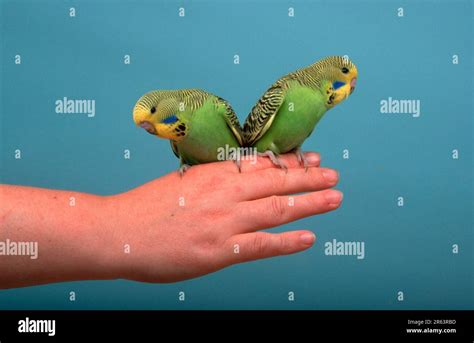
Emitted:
<point x="275" y="160"/>
<point x="301" y="158"/>
<point x="236" y="157"/>
<point x="183" y="168"/>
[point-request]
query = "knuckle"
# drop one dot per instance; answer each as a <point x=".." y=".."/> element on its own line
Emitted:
<point x="277" y="207"/>
<point x="282" y="244"/>
<point x="260" y="243"/>
<point x="208" y="241"/>
<point x="215" y="212"/>
<point x="204" y="251"/>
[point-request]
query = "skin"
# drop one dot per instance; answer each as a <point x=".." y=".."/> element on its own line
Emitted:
<point x="168" y="242"/>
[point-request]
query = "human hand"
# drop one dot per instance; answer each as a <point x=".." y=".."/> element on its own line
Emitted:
<point x="180" y="228"/>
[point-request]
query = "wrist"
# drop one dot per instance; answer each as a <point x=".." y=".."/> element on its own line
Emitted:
<point x="85" y="240"/>
<point x="114" y="250"/>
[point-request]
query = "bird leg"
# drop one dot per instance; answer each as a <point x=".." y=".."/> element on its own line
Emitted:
<point x="183" y="168"/>
<point x="274" y="158"/>
<point x="236" y="156"/>
<point x="301" y="158"/>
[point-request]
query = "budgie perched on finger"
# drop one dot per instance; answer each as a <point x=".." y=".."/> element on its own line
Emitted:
<point x="289" y="110"/>
<point x="196" y="122"/>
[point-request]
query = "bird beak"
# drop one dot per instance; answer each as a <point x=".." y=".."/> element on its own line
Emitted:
<point x="148" y="127"/>
<point x="353" y="84"/>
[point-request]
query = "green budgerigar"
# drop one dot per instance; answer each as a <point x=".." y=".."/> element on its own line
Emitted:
<point x="197" y="123"/>
<point x="289" y="110"/>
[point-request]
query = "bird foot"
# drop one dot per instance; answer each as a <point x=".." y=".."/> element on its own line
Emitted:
<point x="274" y="158"/>
<point x="183" y="168"/>
<point x="301" y="158"/>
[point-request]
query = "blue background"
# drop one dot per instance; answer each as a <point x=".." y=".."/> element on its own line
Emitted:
<point x="408" y="248"/>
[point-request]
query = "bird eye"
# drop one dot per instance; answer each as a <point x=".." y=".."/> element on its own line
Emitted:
<point x="345" y="70"/>
<point x="153" y="109"/>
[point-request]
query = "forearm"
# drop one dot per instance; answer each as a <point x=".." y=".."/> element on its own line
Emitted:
<point x="67" y="228"/>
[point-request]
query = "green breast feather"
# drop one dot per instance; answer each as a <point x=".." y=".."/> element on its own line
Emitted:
<point x="210" y="127"/>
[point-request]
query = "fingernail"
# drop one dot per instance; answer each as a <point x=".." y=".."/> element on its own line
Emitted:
<point x="333" y="197"/>
<point x="307" y="238"/>
<point x="313" y="158"/>
<point x="331" y="175"/>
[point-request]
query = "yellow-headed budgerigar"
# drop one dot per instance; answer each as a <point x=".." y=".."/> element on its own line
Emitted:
<point x="197" y="123"/>
<point x="290" y="109"/>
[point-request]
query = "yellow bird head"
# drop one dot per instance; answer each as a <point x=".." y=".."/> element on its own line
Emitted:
<point x="157" y="113"/>
<point x="339" y="78"/>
